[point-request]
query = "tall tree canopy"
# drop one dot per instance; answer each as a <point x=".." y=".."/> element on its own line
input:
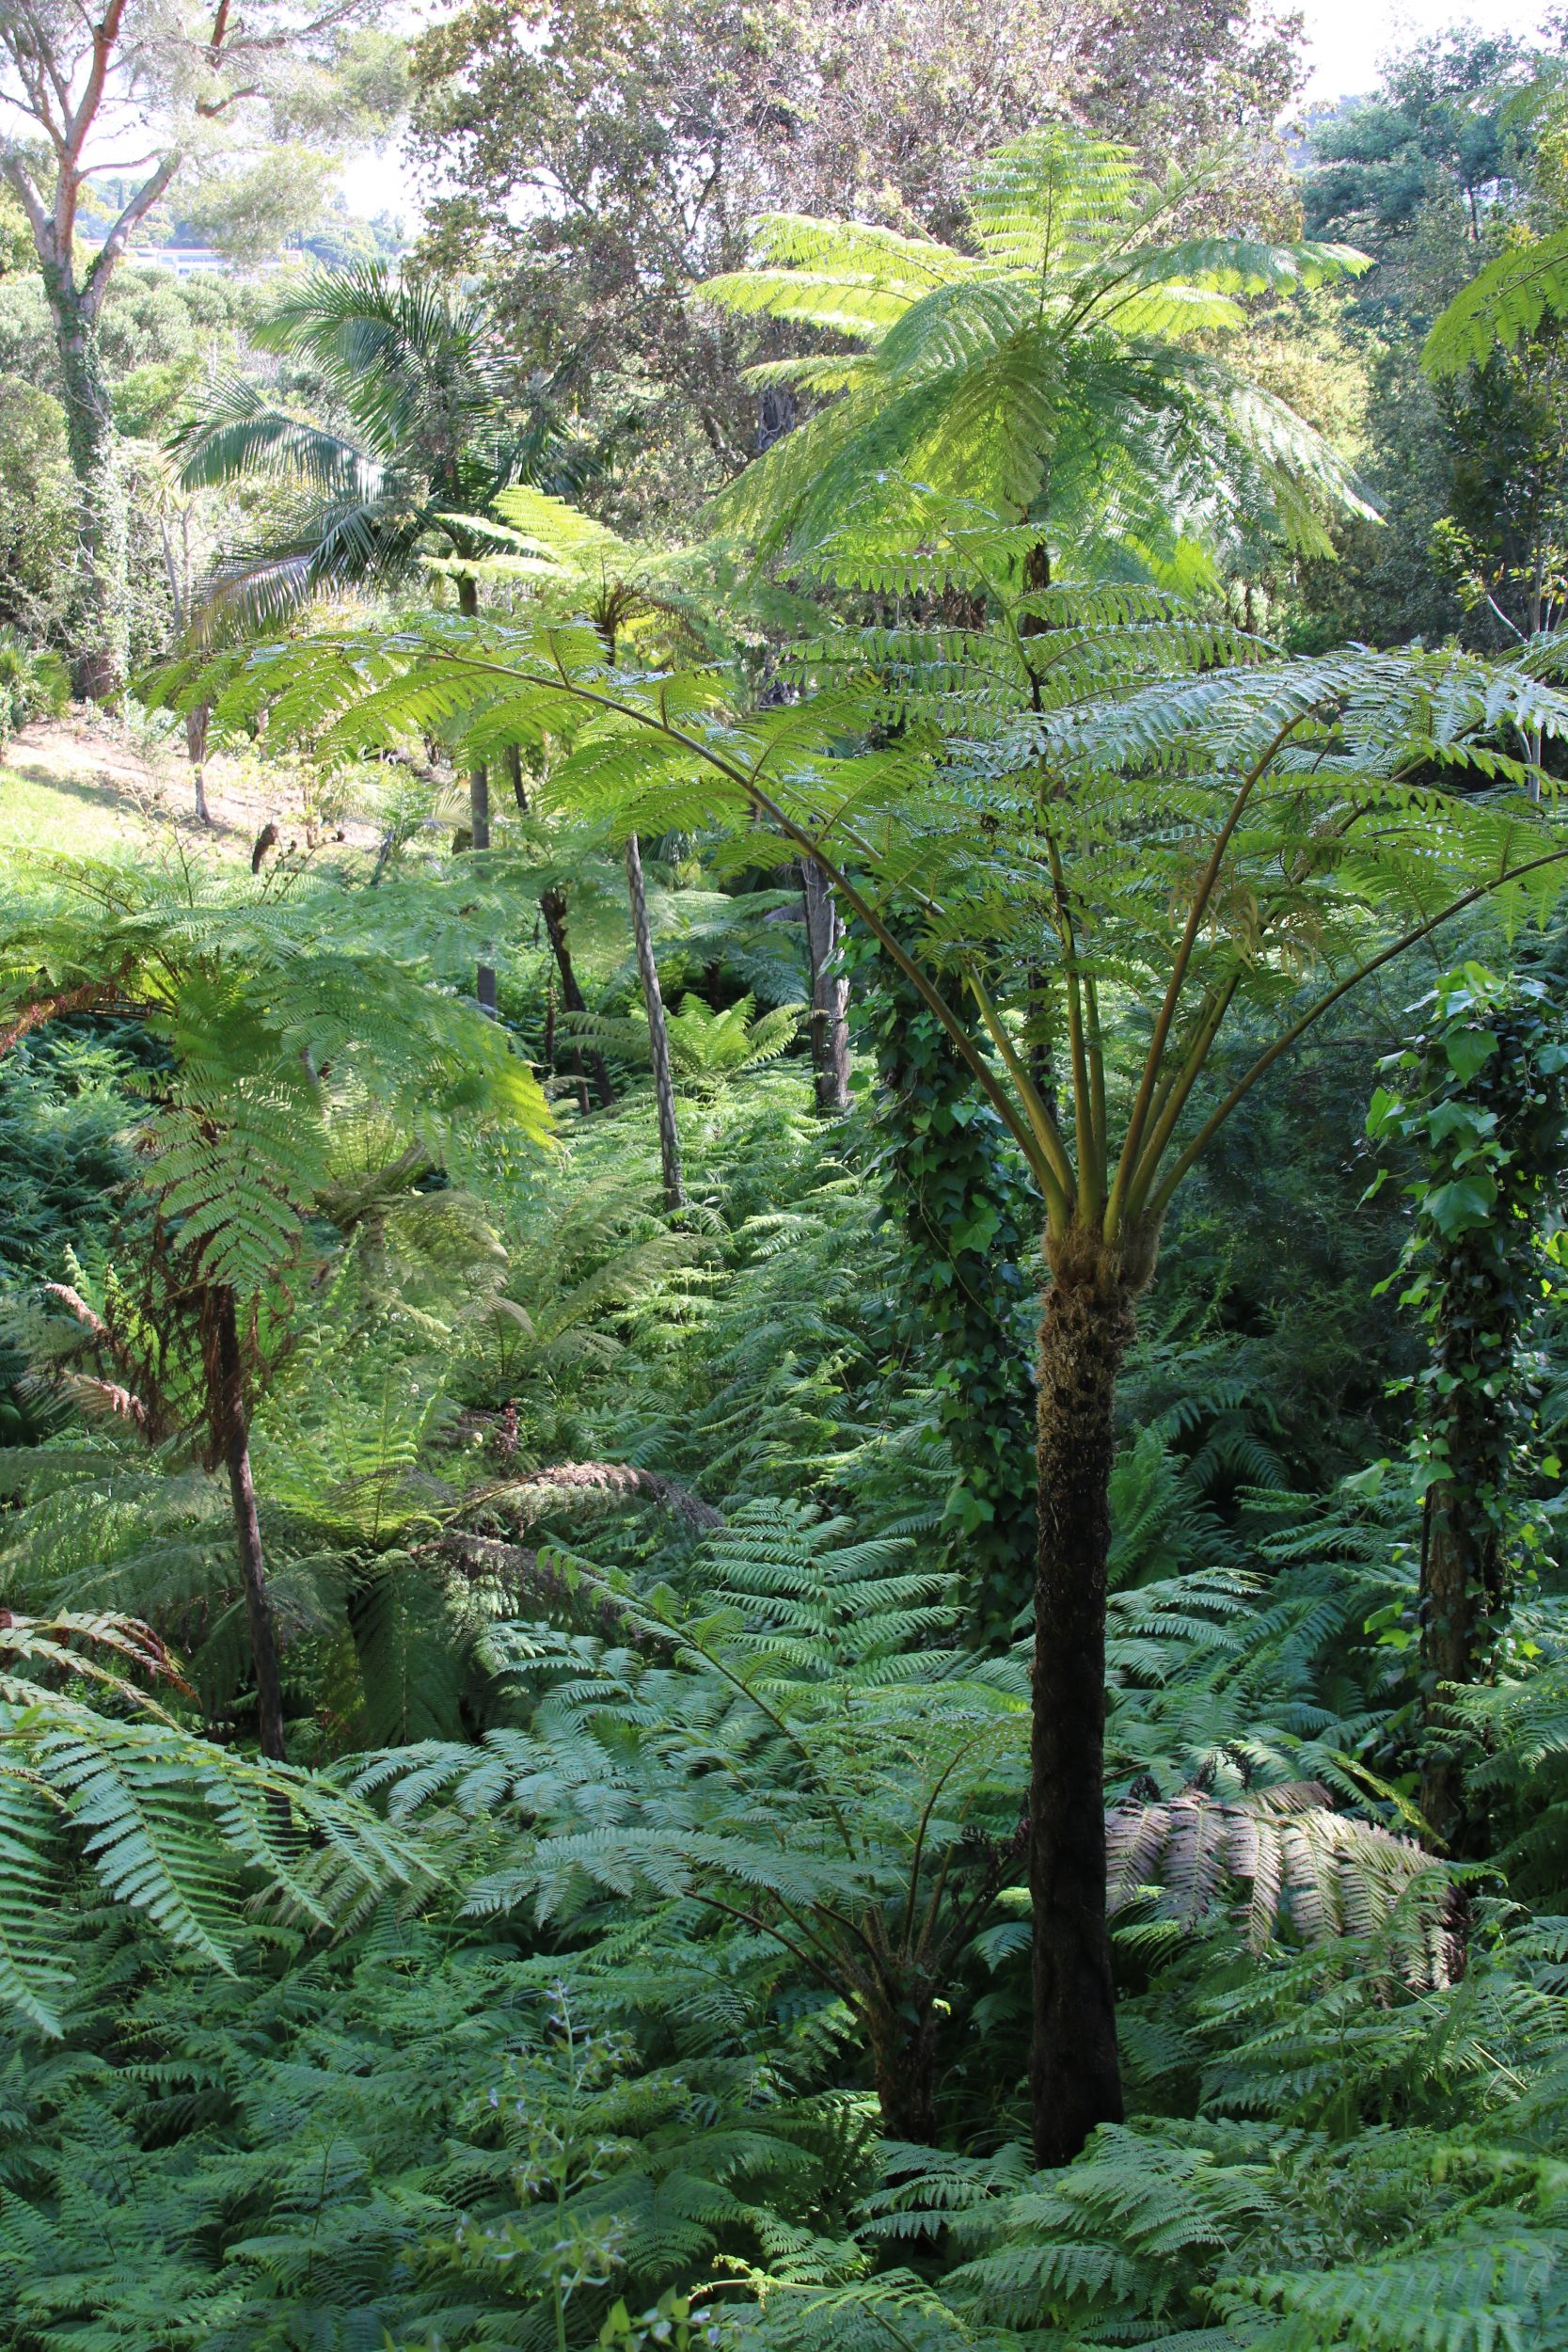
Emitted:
<point x="594" y="162"/>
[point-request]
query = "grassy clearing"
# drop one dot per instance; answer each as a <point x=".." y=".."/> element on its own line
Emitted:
<point x="42" y="810"/>
<point x="82" y="792"/>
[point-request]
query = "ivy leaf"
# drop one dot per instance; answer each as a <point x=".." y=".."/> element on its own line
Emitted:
<point x="1453" y="1120"/>
<point x="1468" y="1051"/>
<point x="1459" y="1207"/>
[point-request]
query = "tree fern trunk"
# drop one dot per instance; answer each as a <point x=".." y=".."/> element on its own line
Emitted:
<point x="658" y="1036"/>
<point x="1074" y="2073"/>
<point x="903" y="2057"/>
<point x="830" y="994"/>
<point x="552" y="906"/>
<point x="233" y="1420"/>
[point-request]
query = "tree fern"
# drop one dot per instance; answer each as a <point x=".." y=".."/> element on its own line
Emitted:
<point x="708" y="1049"/>
<point x="253" y="1003"/>
<point x="170" y="1826"/>
<point x="866" y="1813"/>
<point x="1045" y="377"/>
<point x="1198" y="838"/>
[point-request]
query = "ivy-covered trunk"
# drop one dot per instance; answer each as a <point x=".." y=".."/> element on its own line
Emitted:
<point x="968" y="1211"/>
<point x="1085" y="1326"/>
<point x="1481" y="1094"/>
<point x="103" y="540"/>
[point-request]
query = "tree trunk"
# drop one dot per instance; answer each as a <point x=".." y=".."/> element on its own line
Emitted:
<point x="552" y="906"/>
<point x="233" y="1423"/>
<point x="658" y="1036"/>
<point x="902" y="2056"/>
<point x="1445" y="1657"/>
<point x="1460" y="1583"/>
<point x="103" y="650"/>
<point x="197" y="724"/>
<point x="479" y="808"/>
<point x="479" y="838"/>
<point x="1074" y="2074"/>
<point x="830" y="993"/>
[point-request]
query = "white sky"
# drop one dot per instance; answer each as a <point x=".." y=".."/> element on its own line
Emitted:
<point x="1345" y="39"/>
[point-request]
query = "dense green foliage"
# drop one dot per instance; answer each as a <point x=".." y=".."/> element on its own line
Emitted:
<point x="951" y="1733"/>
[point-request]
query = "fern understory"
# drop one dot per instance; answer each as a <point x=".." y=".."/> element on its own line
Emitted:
<point x="621" y="1539"/>
<point x="634" y="1946"/>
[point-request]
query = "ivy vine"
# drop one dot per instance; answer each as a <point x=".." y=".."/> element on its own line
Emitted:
<point x="971" y="1218"/>
<point x="1478" y="1097"/>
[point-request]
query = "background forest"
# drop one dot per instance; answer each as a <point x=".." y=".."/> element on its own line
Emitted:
<point x="783" y="1355"/>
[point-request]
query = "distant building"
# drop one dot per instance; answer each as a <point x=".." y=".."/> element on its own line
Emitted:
<point x="186" y="260"/>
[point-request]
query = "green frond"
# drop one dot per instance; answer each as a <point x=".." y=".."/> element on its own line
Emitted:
<point x="1503" y="303"/>
<point x="1474" y="2294"/>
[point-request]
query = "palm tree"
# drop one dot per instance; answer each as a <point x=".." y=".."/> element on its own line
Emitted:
<point x="1052" y="375"/>
<point x="421" y="389"/>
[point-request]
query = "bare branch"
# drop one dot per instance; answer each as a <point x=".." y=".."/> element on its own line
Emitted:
<point x="136" y="210"/>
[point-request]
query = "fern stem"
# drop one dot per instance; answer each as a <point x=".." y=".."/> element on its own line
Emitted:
<point x="1298" y="1030"/>
<point x="1195" y="912"/>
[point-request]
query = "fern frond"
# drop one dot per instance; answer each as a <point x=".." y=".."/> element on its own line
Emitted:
<point x="1504" y="302"/>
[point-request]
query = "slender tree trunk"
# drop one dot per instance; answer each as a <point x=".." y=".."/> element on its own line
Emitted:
<point x="234" y="1424"/>
<point x="479" y="808"/>
<point x="479" y="838"/>
<point x="515" y="772"/>
<point x="830" y="993"/>
<point x="553" y="908"/>
<point x="197" y="724"/>
<point x="1074" y="2074"/>
<point x="658" y="1036"/>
